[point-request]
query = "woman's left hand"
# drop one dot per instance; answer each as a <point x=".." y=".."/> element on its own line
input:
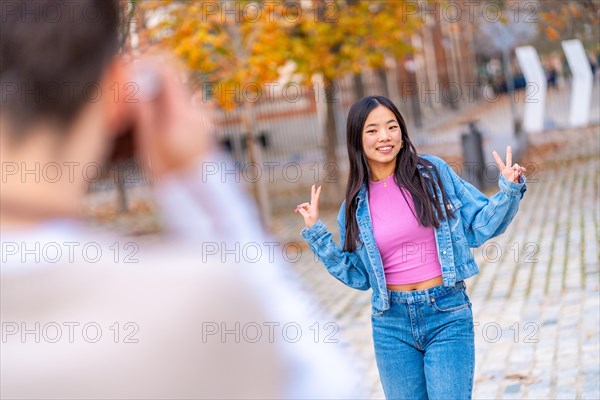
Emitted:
<point x="512" y="173"/>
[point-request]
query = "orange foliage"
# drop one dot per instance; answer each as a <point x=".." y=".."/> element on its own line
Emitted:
<point x="245" y="42"/>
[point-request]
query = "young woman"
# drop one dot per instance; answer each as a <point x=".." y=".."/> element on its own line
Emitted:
<point x="406" y="227"/>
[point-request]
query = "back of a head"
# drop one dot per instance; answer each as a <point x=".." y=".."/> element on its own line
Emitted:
<point x="52" y="56"/>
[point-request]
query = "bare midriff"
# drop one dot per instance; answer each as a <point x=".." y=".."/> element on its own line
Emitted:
<point x="429" y="283"/>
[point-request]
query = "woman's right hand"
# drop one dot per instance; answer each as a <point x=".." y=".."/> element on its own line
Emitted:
<point x="310" y="211"/>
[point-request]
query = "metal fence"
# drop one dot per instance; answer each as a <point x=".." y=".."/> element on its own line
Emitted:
<point x="290" y="130"/>
<point x="293" y="130"/>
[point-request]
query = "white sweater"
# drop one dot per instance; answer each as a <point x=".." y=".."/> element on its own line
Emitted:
<point x="87" y="314"/>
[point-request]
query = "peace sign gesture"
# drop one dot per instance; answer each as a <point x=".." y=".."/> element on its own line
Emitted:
<point x="513" y="173"/>
<point x="310" y="211"/>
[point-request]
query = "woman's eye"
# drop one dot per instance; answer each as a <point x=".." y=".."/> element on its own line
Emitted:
<point x="394" y="127"/>
<point x="371" y="131"/>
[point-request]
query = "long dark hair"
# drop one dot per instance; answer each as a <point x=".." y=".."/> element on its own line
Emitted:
<point x="406" y="174"/>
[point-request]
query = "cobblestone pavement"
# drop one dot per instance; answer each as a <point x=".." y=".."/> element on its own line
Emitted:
<point x="536" y="300"/>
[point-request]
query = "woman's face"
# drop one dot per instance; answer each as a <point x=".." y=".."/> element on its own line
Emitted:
<point x="381" y="138"/>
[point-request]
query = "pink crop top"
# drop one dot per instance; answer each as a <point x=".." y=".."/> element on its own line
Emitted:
<point x="408" y="250"/>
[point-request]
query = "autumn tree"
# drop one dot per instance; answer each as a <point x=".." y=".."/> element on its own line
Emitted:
<point x="228" y="45"/>
<point x="336" y="38"/>
<point x="232" y="43"/>
<point x="561" y="20"/>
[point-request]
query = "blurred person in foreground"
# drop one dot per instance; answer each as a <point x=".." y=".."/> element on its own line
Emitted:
<point x="87" y="314"/>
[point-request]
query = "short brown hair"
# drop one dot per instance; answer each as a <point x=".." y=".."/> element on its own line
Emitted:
<point x="52" y="56"/>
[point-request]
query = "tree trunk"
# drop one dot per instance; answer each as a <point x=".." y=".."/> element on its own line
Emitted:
<point x="359" y="87"/>
<point x="383" y="81"/>
<point x="122" y="206"/>
<point x="510" y="91"/>
<point x="124" y="34"/>
<point x="259" y="189"/>
<point x="331" y="136"/>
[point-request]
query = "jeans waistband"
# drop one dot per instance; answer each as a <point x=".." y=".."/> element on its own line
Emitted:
<point x="424" y="294"/>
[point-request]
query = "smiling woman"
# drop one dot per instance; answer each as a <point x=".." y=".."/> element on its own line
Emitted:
<point x="406" y="226"/>
<point x="374" y="125"/>
<point x="382" y="141"/>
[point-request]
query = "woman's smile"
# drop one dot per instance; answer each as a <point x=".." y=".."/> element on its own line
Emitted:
<point x="385" y="149"/>
<point x="381" y="141"/>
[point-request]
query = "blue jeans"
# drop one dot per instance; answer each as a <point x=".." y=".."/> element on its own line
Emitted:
<point x="425" y="344"/>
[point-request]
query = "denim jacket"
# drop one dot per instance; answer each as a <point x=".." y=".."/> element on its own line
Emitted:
<point x="477" y="219"/>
